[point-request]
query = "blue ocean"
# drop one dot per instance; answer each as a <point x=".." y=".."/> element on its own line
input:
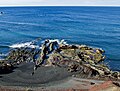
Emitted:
<point x="93" y="26"/>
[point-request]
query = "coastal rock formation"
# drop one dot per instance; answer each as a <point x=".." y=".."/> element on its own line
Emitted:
<point x="5" y="67"/>
<point x="87" y="61"/>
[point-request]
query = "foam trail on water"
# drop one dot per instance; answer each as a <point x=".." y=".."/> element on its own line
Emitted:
<point x="21" y="23"/>
<point x="27" y="44"/>
<point x="32" y="43"/>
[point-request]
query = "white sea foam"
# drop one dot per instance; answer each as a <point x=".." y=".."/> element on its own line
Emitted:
<point x="32" y="45"/>
<point x="2" y="55"/>
<point x="58" y="41"/>
<point x="27" y="44"/>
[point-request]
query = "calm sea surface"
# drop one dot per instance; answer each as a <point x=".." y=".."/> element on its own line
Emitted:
<point x="93" y="26"/>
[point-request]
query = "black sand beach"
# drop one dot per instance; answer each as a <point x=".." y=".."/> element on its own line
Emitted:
<point x="58" y="66"/>
<point x="49" y="79"/>
<point x="44" y="76"/>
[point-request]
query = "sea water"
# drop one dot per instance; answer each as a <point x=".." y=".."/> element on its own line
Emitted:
<point x="92" y="26"/>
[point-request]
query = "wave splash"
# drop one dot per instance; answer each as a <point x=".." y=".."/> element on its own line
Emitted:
<point x="33" y="45"/>
<point x="57" y="40"/>
<point x="27" y="44"/>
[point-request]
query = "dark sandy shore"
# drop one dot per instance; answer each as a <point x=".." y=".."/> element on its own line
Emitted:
<point x="47" y="79"/>
<point x="44" y="76"/>
<point x="68" y="64"/>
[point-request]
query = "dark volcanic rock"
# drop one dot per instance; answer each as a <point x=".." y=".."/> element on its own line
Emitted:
<point x="86" y="60"/>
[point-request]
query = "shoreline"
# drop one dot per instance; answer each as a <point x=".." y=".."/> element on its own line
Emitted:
<point x="57" y="65"/>
<point x="67" y="80"/>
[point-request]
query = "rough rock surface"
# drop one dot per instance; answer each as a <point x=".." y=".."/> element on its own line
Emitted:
<point x="86" y="60"/>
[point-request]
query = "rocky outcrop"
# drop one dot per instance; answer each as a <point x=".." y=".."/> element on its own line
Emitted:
<point x="5" y="67"/>
<point x="87" y="61"/>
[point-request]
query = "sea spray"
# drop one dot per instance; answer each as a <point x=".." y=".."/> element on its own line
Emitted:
<point x="27" y="44"/>
<point x="30" y="44"/>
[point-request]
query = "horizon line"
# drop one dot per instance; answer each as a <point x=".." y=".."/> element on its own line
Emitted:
<point x="59" y="5"/>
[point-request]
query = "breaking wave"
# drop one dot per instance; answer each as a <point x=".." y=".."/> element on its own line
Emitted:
<point x="27" y="44"/>
<point x="33" y="45"/>
<point x="30" y="44"/>
<point x="57" y="40"/>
